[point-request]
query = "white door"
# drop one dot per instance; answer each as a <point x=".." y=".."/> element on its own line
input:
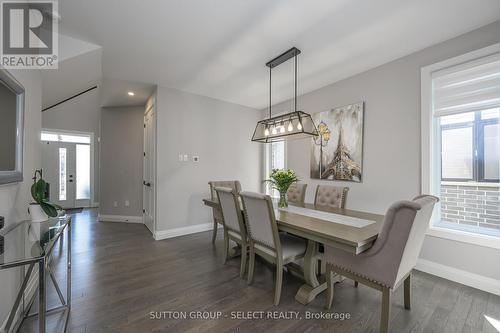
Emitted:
<point x="66" y="167"/>
<point x="149" y="169"/>
<point x="59" y="170"/>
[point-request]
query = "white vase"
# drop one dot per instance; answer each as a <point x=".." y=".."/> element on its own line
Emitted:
<point x="37" y="214"/>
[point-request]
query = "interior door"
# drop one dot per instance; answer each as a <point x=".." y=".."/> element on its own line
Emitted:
<point x="59" y="170"/>
<point x="149" y="170"/>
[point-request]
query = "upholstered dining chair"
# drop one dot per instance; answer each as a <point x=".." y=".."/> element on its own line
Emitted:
<point x="297" y="193"/>
<point x="331" y="196"/>
<point x="389" y="262"/>
<point x="234" y="226"/>
<point x="217" y="214"/>
<point x="265" y="240"/>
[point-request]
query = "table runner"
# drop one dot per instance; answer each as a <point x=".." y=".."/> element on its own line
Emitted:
<point x="330" y="217"/>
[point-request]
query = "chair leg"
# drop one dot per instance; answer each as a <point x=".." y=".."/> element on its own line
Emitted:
<point x="356" y="283"/>
<point x="214" y="234"/>
<point x="226" y="247"/>
<point x="244" y="250"/>
<point x="386" y="310"/>
<point x="407" y="286"/>
<point x="251" y="264"/>
<point x="278" y="284"/>
<point x="330" y="287"/>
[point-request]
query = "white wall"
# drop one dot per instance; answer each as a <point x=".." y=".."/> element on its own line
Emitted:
<point x="391" y="158"/>
<point x="121" y="161"/>
<point x="219" y="133"/>
<point x="82" y="114"/>
<point x="14" y="198"/>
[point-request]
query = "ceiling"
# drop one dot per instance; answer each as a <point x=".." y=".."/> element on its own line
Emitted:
<point x="218" y="48"/>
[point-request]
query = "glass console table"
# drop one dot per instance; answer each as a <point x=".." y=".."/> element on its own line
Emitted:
<point x="28" y="244"/>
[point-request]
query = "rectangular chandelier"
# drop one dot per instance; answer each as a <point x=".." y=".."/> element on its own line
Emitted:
<point x="292" y="125"/>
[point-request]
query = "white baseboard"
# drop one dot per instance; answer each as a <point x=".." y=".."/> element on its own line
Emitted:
<point x="119" y="218"/>
<point x="176" y="232"/>
<point x="460" y="276"/>
<point x="94" y="205"/>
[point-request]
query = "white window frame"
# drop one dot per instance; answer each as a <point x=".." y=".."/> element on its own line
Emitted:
<point x="430" y="156"/>
<point x="267" y="161"/>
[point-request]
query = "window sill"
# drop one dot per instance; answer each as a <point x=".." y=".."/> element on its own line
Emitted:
<point x="485" y="184"/>
<point x="465" y="237"/>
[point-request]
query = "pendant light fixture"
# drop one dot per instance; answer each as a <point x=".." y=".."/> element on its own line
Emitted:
<point x="292" y="125"/>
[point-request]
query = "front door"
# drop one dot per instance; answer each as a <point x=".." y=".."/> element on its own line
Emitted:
<point x="149" y="169"/>
<point x="59" y="170"/>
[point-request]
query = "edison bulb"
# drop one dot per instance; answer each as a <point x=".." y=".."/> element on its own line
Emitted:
<point x="299" y="126"/>
<point x="282" y="129"/>
<point x="266" y="132"/>
<point x="274" y="131"/>
<point x="290" y="127"/>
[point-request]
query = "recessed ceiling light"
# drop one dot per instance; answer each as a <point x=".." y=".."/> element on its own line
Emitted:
<point x="131" y="93"/>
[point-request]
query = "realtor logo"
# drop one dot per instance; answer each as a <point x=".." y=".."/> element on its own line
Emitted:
<point x="29" y="34"/>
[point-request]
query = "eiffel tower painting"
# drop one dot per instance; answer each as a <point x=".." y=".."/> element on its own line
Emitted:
<point x="339" y="157"/>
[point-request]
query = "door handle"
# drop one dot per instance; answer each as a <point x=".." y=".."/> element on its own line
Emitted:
<point x="71" y="180"/>
<point x="148" y="184"/>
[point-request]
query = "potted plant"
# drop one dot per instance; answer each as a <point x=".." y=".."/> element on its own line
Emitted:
<point x="281" y="179"/>
<point x="42" y="208"/>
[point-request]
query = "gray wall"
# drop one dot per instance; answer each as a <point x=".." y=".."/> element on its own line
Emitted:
<point x="121" y="160"/>
<point x="79" y="114"/>
<point x="391" y="159"/>
<point x="14" y="198"/>
<point x="219" y="133"/>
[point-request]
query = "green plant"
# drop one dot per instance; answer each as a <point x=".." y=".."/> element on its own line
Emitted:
<point x="281" y="179"/>
<point x="38" y="192"/>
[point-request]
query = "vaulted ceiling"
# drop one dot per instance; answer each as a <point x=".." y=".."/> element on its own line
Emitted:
<point x="218" y="48"/>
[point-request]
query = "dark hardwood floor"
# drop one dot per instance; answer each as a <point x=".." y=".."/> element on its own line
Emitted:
<point x="121" y="275"/>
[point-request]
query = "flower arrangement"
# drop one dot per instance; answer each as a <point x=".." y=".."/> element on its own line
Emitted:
<point x="281" y="179"/>
<point x="38" y="192"/>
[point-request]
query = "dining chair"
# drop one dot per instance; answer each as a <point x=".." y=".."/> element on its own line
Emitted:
<point x="331" y="196"/>
<point x="390" y="260"/>
<point x="234" y="226"/>
<point x="265" y="240"/>
<point x="217" y="214"/>
<point x="297" y="193"/>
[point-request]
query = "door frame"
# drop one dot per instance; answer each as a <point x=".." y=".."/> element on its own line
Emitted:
<point x="151" y="107"/>
<point x="92" y="202"/>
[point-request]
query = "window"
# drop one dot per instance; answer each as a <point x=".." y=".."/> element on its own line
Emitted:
<point x="62" y="174"/>
<point x="82" y="172"/>
<point x="275" y="159"/>
<point x="71" y="138"/>
<point x="469" y="146"/>
<point x="461" y="142"/>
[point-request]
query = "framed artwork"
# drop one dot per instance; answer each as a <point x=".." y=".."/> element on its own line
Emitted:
<point x="337" y="152"/>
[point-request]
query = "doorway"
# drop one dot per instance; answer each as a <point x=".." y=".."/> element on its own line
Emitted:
<point x="148" y="194"/>
<point x="67" y="164"/>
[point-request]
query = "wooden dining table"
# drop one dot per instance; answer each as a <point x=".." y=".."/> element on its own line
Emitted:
<point x="318" y="231"/>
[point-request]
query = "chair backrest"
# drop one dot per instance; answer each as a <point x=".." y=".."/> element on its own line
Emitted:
<point x="231" y="212"/>
<point x="398" y="244"/>
<point x="232" y="184"/>
<point x="260" y="219"/>
<point x="331" y="196"/>
<point x="297" y="193"/>
<point x="417" y="234"/>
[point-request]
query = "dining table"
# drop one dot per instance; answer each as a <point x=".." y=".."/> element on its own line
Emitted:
<point x="343" y="229"/>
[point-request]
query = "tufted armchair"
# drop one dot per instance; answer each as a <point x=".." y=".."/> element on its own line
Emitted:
<point x="297" y="193"/>
<point x="217" y="214"/>
<point x="331" y="196"/>
<point x="390" y="260"/>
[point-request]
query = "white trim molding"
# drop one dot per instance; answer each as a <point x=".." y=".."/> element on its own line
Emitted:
<point x="182" y="231"/>
<point x="119" y="218"/>
<point x="460" y="276"/>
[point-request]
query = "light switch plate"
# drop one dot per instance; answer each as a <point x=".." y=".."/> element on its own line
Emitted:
<point x="186" y="158"/>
